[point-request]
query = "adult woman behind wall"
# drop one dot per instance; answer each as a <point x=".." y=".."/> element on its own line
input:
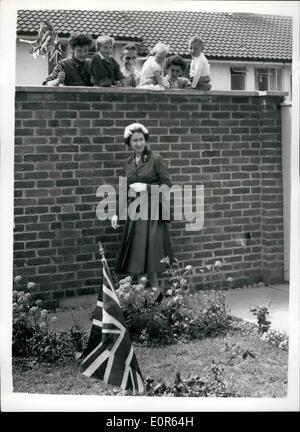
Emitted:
<point x="73" y="71"/>
<point x="145" y="242"/>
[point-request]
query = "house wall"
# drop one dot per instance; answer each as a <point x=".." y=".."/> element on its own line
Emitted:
<point x="221" y="79"/>
<point x="29" y="71"/>
<point x="250" y="77"/>
<point x="287" y="84"/>
<point x="69" y="141"/>
<point x="220" y="76"/>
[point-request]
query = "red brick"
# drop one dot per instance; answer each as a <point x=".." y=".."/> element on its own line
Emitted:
<point x="65" y="114"/>
<point x="24" y="131"/>
<point x="89" y="114"/>
<point x="190" y="159"/>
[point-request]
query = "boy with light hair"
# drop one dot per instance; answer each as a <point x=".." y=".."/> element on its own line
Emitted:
<point x="199" y="70"/>
<point x="105" y="69"/>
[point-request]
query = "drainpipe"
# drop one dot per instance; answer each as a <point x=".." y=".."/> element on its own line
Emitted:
<point x="286" y="129"/>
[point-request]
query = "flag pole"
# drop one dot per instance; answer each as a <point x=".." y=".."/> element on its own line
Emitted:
<point x="101" y="250"/>
<point x="103" y="259"/>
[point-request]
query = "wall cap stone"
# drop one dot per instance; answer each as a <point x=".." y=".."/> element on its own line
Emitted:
<point x="110" y="90"/>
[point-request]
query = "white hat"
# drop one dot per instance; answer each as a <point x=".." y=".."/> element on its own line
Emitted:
<point x="132" y="128"/>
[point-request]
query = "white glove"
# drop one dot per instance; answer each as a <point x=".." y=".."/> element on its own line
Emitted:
<point x="139" y="187"/>
<point x="114" y="222"/>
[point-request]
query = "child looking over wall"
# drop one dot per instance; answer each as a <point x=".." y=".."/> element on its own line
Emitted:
<point x="105" y="69"/>
<point x="129" y="56"/>
<point x="199" y="70"/>
<point x="175" y="66"/>
<point x="152" y="72"/>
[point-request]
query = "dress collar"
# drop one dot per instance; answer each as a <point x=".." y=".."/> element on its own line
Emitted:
<point x="144" y="158"/>
<point x="199" y="56"/>
<point x="145" y="155"/>
<point x="104" y="58"/>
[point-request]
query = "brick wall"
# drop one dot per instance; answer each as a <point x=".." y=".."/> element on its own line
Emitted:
<point x="69" y="141"/>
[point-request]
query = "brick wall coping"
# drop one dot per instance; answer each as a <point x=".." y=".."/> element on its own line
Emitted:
<point x="103" y="90"/>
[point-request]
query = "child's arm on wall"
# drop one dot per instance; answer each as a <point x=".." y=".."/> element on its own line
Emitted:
<point x="186" y="83"/>
<point x="54" y="78"/>
<point x="160" y="80"/>
<point x="204" y="83"/>
<point x="120" y="83"/>
<point x="197" y="74"/>
<point x="104" y="82"/>
<point x="53" y="83"/>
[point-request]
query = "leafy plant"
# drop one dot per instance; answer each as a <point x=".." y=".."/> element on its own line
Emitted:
<point x="34" y="331"/>
<point x="178" y="278"/>
<point x="213" y="275"/>
<point x="262" y="313"/>
<point x="175" y="313"/>
<point x="212" y="385"/>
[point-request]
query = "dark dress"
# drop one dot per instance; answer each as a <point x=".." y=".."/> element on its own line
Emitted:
<point x="145" y="242"/>
<point x="77" y="73"/>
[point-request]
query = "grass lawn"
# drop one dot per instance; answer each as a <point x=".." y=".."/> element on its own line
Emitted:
<point x="262" y="376"/>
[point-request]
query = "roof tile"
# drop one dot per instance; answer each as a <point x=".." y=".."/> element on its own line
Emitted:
<point x="225" y="35"/>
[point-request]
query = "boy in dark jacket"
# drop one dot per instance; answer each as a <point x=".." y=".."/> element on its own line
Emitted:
<point x="105" y="69"/>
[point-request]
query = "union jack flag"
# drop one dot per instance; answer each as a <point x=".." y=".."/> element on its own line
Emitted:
<point x="109" y="355"/>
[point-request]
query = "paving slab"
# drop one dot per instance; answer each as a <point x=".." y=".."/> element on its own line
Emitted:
<point x="75" y="311"/>
<point x="276" y="297"/>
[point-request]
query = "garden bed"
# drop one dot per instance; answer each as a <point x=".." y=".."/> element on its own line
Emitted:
<point x="264" y="375"/>
<point x="186" y="342"/>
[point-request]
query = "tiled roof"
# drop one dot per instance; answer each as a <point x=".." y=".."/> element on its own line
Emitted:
<point x="114" y="23"/>
<point x="225" y="35"/>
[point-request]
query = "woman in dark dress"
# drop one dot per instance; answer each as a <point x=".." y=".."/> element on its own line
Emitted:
<point x="76" y="70"/>
<point x="145" y="242"/>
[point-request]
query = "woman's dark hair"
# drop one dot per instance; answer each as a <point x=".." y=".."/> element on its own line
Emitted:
<point x="175" y="60"/>
<point x="127" y="140"/>
<point x="80" y="39"/>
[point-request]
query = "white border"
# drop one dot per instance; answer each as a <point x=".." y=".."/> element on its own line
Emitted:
<point x="33" y="402"/>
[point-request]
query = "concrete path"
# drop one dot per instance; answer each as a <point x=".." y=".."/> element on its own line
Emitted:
<point x="75" y="311"/>
<point x="239" y="300"/>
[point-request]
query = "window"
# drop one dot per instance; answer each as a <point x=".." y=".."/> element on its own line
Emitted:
<point x="268" y="79"/>
<point x="238" y="75"/>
